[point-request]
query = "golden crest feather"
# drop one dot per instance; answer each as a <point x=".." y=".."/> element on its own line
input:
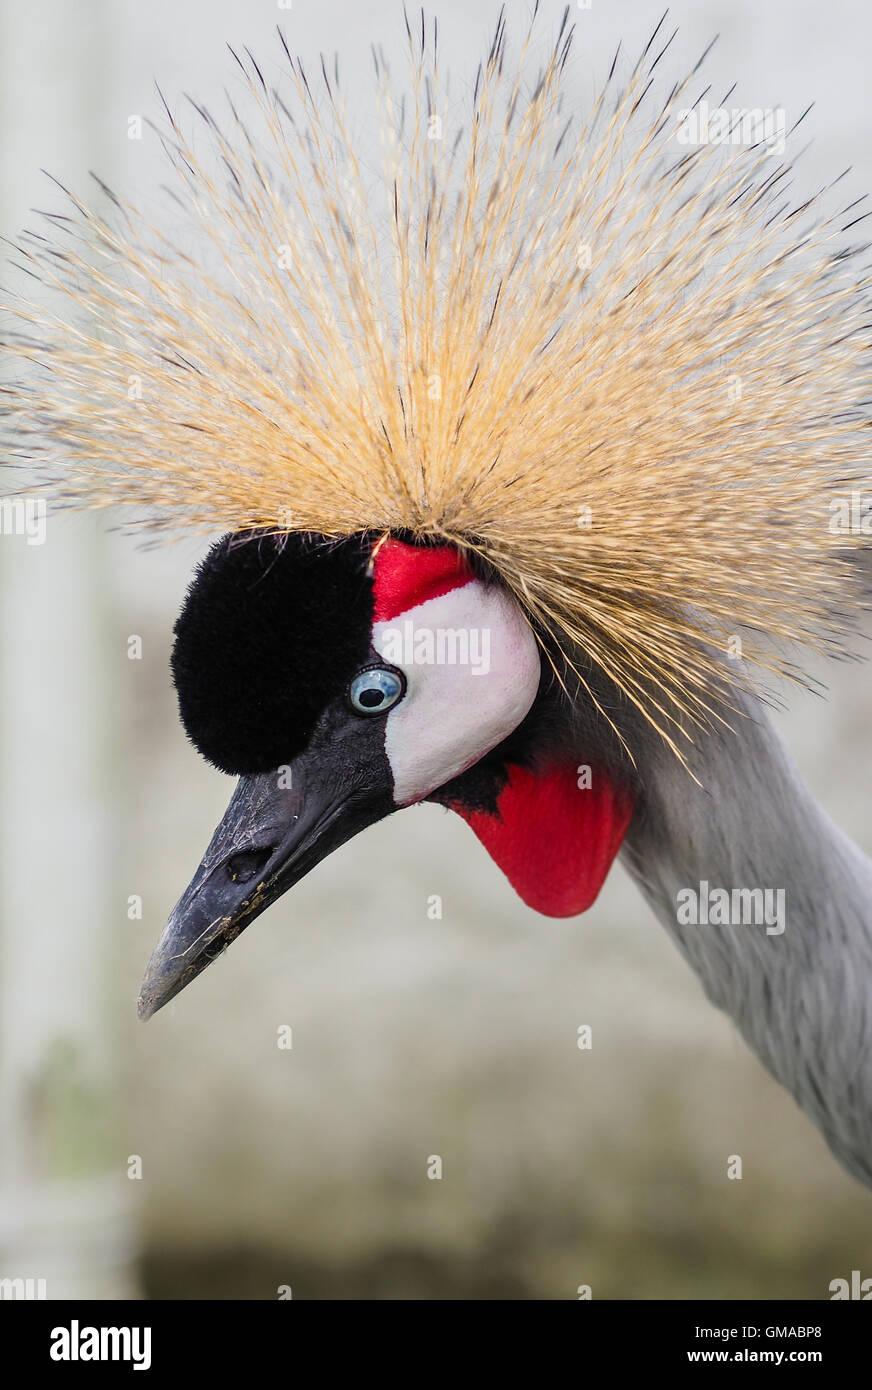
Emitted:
<point x="630" y="373"/>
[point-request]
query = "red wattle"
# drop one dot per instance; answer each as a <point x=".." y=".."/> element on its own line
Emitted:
<point x="554" y="841"/>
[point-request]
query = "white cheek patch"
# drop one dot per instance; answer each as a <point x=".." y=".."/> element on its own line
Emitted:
<point x="472" y="666"/>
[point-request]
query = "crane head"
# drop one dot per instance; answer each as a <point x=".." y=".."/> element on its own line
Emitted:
<point x="344" y="680"/>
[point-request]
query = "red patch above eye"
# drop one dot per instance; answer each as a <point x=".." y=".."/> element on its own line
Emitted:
<point x="407" y="575"/>
<point x="554" y="840"/>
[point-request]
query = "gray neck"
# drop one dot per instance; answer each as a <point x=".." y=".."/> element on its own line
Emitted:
<point x="802" y="996"/>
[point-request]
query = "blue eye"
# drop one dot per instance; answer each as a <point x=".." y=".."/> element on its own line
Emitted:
<point x="375" y="690"/>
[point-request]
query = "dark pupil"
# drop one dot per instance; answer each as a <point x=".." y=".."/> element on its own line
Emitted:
<point x="371" y="698"/>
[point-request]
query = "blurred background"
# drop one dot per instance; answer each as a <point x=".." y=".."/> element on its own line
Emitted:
<point x="194" y="1157"/>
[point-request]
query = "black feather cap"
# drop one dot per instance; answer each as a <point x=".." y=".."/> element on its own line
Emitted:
<point x="272" y="629"/>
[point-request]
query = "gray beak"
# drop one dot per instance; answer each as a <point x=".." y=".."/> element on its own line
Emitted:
<point x="278" y="826"/>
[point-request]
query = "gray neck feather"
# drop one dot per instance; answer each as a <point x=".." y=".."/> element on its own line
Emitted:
<point x="802" y="999"/>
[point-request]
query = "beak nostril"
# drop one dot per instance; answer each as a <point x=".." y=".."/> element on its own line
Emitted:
<point x="241" y="868"/>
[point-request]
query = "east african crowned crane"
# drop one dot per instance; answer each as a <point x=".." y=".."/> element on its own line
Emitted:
<point x="577" y="400"/>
